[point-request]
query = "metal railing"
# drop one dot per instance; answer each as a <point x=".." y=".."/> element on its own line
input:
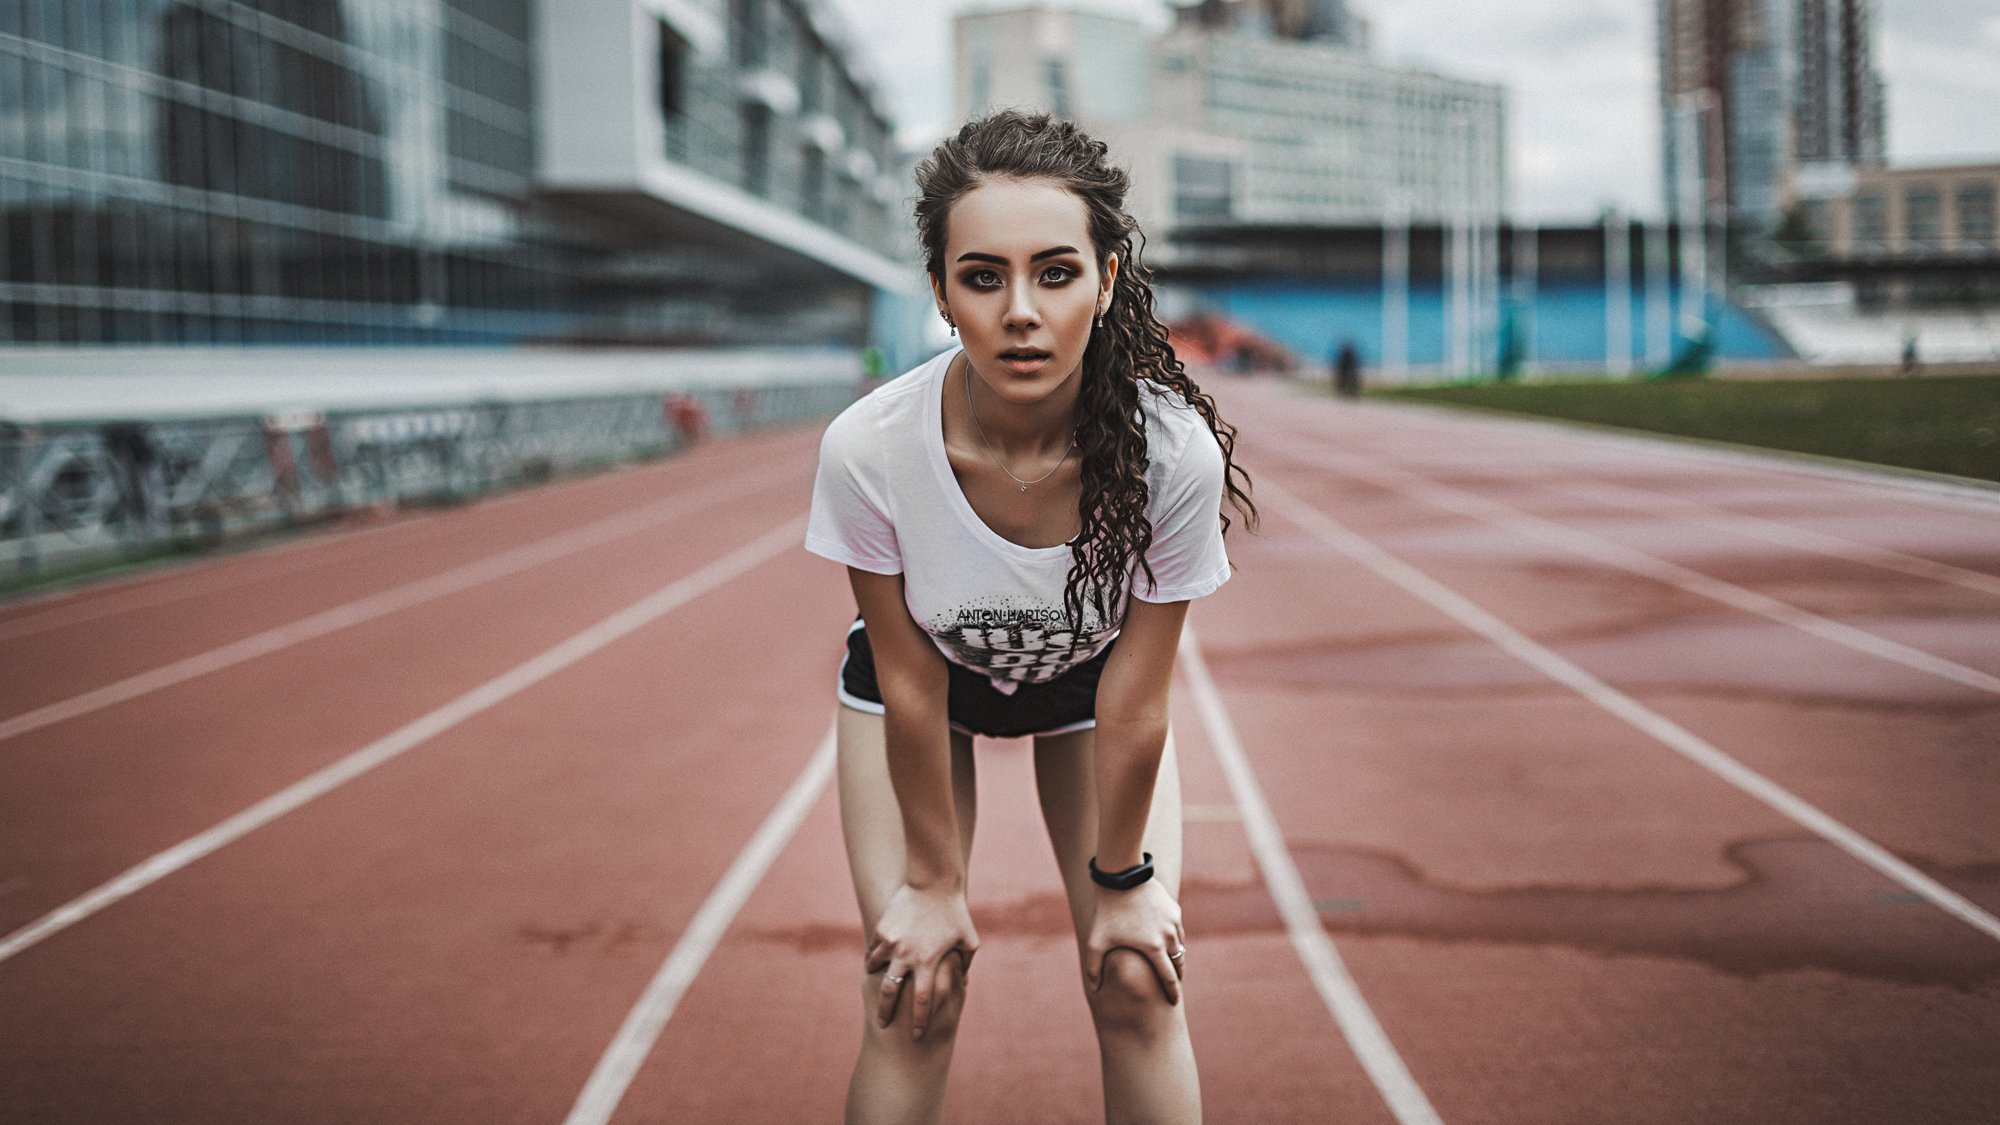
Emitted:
<point x="74" y="493"/>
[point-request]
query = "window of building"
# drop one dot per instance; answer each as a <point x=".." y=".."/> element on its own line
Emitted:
<point x="1923" y="214"/>
<point x="673" y="72"/>
<point x="812" y="182"/>
<point x="756" y="148"/>
<point x="1871" y="220"/>
<point x="1975" y="213"/>
<point x="1202" y="187"/>
<point x="1055" y="84"/>
<point x="812" y="64"/>
<point x="746" y="27"/>
<point x="982" y="81"/>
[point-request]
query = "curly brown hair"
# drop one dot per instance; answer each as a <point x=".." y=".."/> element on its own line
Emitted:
<point x="1132" y="345"/>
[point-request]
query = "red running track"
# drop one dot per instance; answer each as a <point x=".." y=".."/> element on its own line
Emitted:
<point x="1606" y="779"/>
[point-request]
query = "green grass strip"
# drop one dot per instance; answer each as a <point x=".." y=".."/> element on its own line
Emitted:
<point x="1940" y="425"/>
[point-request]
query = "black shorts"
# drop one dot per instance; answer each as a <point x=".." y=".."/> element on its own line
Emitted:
<point x="974" y="706"/>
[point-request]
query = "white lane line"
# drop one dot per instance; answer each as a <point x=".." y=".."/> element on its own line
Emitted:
<point x="393" y="600"/>
<point x="1323" y="963"/>
<point x="172" y="583"/>
<point x="1637" y="562"/>
<point x="1783" y="534"/>
<point x="167" y="590"/>
<point x="494" y="691"/>
<point x="1677" y="738"/>
<point x="1948" y="493"/>
<point x="621" y="1061"/>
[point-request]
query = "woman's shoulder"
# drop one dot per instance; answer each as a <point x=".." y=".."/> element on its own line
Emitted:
<point x="863" y="420"/>
<point x="1172" y="424"/>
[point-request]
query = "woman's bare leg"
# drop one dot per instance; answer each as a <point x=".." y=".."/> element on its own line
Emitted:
<point x="896" y="1079"/>
<point x="1143" y="1045"/>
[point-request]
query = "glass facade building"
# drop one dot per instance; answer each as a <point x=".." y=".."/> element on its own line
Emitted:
<point x="1777" y="99"/>
<point x="373" y="171"/>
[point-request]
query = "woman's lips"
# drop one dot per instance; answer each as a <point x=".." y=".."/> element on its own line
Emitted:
<point x="1024" y="363"/>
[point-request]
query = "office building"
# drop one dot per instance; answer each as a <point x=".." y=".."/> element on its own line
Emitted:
<point x="441" y="171"/>
<point x="1248" y="114"/>
<point x="1764" y="103"/>
<point x="1319" y="21"/>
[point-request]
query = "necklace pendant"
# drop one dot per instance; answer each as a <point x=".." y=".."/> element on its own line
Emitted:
<point x="1024" y="488"/>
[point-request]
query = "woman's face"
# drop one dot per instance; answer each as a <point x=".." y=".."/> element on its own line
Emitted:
<point x="1022" y="284"/>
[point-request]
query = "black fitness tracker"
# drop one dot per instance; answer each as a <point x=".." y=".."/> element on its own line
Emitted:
<point x="1123" y="880"/>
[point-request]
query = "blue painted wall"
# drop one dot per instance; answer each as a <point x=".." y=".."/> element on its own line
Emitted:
<point x="1566" y="319"/>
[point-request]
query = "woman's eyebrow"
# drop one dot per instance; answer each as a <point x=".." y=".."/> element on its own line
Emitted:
<point x="975" y="256"/>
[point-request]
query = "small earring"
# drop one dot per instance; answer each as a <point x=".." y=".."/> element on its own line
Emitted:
<point x="950" y="321"/>
<point x="1100" y="321"/>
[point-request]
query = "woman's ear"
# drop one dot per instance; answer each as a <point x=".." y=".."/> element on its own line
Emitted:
<point x="937" y="292"/>
<point x="1110" y="276"/>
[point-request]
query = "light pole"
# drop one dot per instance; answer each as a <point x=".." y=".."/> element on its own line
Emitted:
<point x="1692" y="178"/>
<point x="1396" y="291"/>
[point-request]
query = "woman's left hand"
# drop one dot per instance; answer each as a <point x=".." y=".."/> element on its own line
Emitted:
<point x="1145" y="919"/>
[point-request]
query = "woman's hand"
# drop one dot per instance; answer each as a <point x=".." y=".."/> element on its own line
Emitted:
<point x="1145" y="919"/>
<point x="919" y="927"/>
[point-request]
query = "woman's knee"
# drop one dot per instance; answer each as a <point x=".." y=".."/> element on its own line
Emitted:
<point x="1129" y="1000"/>
<point x="947" y="1004"/>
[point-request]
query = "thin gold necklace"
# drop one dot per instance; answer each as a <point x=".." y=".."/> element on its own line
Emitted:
<point x="988" y="442"/>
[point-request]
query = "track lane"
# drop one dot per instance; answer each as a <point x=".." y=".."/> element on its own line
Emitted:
<point x="89" y="655"/>
<point x="453" y="936"/>
<point x="1549" y="915"/>
<point x="1545" y="926"/>
<point x="1899" y="756"/>
<point x="1938" y="612"/>
<point x="1618" y="553"/>
<point x="1937" y="498"/>
<point x="781" y="995"/>
<point x="89" y="798"/>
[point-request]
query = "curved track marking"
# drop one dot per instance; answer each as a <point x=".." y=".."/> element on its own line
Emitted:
<point x="1783" y="534"/>
<point x="1288" y="889"/>
<point x="394" y="600"/>
<point x="1509" y="518"/>
<point x="1946" y="493"/>
<point x="328" y="778"/>
<point x="1677" y="738"/>
<point x="621" y="1061"/>
<point x="54" y="601"/>
<point x="167" y="591"/>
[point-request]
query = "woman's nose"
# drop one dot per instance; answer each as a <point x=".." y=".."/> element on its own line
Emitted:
<point x="1021" y="310"/>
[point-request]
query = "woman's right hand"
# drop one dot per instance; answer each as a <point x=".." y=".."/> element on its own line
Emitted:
<point x="919" y="927"/>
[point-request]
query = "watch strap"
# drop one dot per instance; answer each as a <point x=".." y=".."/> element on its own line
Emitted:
<point x="1122" y="880"/>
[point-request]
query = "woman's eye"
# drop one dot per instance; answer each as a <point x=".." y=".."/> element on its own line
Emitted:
<point x="1056" y="275"/>
<point x="983" y="279"/>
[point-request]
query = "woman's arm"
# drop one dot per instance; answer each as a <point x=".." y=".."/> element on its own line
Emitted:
<point x="1131" y="733"/>
<point x="912" y="676"/>
<point x="1132" y="726"/>
<point x="926" y="918"/>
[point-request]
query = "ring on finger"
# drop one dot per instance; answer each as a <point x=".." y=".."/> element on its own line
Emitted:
<point x="898" y="980"/>
<point x="1177" y="954"/>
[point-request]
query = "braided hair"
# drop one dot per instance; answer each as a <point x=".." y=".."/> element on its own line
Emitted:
<point x="1131" y="347"/>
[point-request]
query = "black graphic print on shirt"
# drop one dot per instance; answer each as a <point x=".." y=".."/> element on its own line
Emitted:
<point x="1015" y="642"/>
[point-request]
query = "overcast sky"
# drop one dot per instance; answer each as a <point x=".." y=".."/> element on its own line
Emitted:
<point x="1580" y="76"/>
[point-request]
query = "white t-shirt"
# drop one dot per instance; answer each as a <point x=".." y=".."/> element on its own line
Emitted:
<point x="885" y="501"/>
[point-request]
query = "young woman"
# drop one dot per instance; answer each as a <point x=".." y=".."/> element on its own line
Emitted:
<point x="1007" y="511"/>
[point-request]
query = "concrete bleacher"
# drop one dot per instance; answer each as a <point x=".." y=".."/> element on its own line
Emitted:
<point x="1827" y="326"/>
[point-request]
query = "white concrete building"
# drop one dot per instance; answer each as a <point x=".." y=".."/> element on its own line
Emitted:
<point x="1223" y="126"/>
